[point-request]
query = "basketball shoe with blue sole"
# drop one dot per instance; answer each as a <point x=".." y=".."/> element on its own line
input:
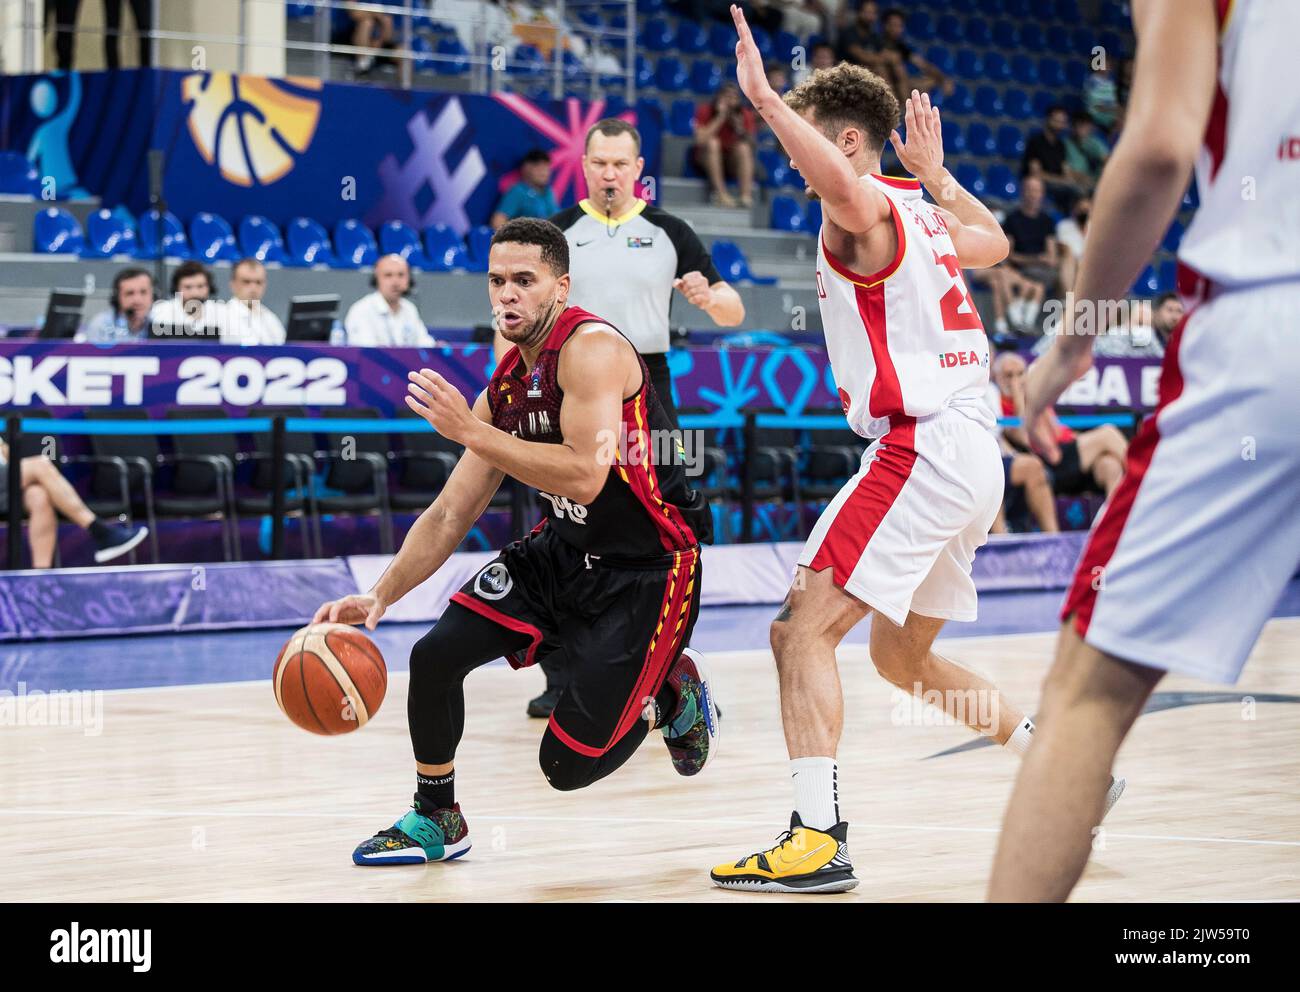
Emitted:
<point x="417" y="839"/>
<point x="691" y="733"/>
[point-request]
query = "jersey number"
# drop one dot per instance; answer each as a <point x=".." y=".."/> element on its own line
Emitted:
<point x="951" y="303"/>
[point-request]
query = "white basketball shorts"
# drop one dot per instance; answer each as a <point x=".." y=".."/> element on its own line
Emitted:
<point x="902" y="533"/>
<point x="1199" y="539"/>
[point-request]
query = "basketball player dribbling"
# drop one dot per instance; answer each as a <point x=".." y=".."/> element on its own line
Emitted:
<point x="1201" y="536"/>
<point x="911" y="362"/>
<point x="609" y="580"/>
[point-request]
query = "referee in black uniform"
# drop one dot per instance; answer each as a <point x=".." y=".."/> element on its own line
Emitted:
<point x="625" y="258"/>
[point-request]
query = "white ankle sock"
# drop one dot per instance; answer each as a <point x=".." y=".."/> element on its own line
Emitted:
<point x="816" y="792"/>
<point x="1021" y="737"/>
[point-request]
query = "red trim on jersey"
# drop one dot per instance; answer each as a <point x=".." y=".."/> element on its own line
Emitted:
<point x="505" y="620"/>
<point x="884" y="273"/>
<point x="674" y="532"/>
<point x="859" y="516"/>
<point x="886" y="399"/>
<point x="1216" y="130"/>
<point x="1222" y="9"/>
<point x="898" y="182"/>
<point x="1105" y="535"/>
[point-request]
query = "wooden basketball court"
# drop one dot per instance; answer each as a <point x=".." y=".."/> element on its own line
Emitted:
<point x="209" y="793"/>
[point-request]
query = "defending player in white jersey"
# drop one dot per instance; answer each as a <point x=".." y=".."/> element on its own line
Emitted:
<point x="911" y="363"/>
<point x="1200" y="538"/>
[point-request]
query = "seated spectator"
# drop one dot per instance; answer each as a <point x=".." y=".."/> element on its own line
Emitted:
<point x="476" y="23"/>
<point x="386" y="318"/>
<point x="1071" y="232"/>
<point x="1101" y="96"/>
<point x="1045" y="158"/>
<point x="1147" y="332"/>
<point x="532" y="195"/>
<point x="46" y="494"/>
<point x="190" y="311"/>
<point x="724" y="145"/>
<point x="127" y="317"/>
<point x="1028" y="488"/>
<point x="1093" y="459"/>
<point x="370" y="29"/>
<point x="1034" y="255"/>
<point x="1016" y="300"/>
<point x="1085" y="152"/>
<point x="860" y="41"/>
<point x="244" y="319"/>
<point x="899" y="57"/>
<point x="802" y="18"/>
<point x="778" y="77"/>
<point x="822" y="56"/>
<point x="1166" y="315"/>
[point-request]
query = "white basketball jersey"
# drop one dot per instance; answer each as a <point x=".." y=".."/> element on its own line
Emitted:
<point x="907" y="340"/>
<point x="1247" y="229"/>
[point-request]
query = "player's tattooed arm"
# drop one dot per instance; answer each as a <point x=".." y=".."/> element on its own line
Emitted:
<point x="783" y="614"/>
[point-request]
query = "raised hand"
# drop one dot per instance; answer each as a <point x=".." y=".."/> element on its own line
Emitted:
<point x="750" y="73"/>
<point x="922" y="155"/>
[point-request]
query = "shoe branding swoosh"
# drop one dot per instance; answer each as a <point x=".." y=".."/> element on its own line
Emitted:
<point x="582" y="244"/>
<point x="786" y="865"/>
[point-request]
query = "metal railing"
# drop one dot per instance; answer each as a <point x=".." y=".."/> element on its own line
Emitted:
<point x="608" y="61"/>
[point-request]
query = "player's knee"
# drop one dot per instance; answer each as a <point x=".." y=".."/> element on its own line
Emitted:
<point x="896" y="667"/>
<point x="36" y="499"/>
<point x="434" y="658"/>
<point x="564" y="768"/>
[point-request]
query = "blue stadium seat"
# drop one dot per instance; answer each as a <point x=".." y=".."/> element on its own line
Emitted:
<point x="18" y="176"/>
<point x="455" y="60"/>
<point x="647" y="108"/>
<point x="783" y="46"/>
<point x="996" y="67"/>
<point x="762" y="40"/>
<point x="589" y="18"/>
<point x="301" y="11"/>
<point x="1067" y="10"/>
<point x="972" y="180"/>
<point x="722" y="40"/>
<point x="988" y="102"/>
<point x="259" y="238"/>
<point x="1019" y="8"/>
<point x="161" y="236"/>
<point x="1011" y="142"/>
<point x="1057" y="38"/>
<point x="108" y="233"/>
<point x="354" y="245"/>
<point x="307" y="243"/>
<point x="705" y="77"/>
<point x="618" y="22"/>
<point x="1148" y="283"/>
<point x="954" y="139"/>
<point x="1076" y="71"/>
<point x="969" y="65"/>
<point x="920" y="25"/>
<point x="1006" y="35"/>
<point x="396" y="238"/>
<point x="949" y="29"/>
<point x="681" y="118"/>
<point x="423" y="49"/>
<point x="786" y="215"/>
<point x="1031" y="36"/>
<point x="1002" y="182"/>
<point x="650" y="6"/>
<point x="774" y="168"/>
<point x="1114" y="14"/>
<point x="212" y="239"/>
<point x="959" y="101"/>
<point x="733" y="266"/>
<point x="977" y="32"/>
<point x="444" y="249"/>
<point x="1173" y="237"/>
<point x="670" y="77"/>
<point x="979" y="140"/>
<point x="1016" y="105"/>
<point x="940" y="56"/>
<point x="1024" y="70"/>
<point x="526" y="60"/>
<point x="1043" y="101"/>
<point x="692" y="38"/>
<point x="1082" y="40"/>
<point x="480" y="242"/>
<point x="645" y="73"/>
<point x="814" y="215"/>
<point x="56" y="232"/>
<point x="1050" y="72"/>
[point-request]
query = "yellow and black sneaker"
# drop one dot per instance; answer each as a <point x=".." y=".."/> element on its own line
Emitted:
<point x="804" y="860"/>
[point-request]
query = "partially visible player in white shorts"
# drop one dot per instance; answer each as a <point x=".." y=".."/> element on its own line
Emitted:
<point x="1202" y="534"/>
<point x="901" y="535"/>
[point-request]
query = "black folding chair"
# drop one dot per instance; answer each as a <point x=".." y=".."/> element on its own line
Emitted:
<point x="357" y="464"/>
<point x="300" y="459"/>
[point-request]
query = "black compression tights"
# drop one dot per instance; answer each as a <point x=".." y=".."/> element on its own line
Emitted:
<point x="460" y="642"/>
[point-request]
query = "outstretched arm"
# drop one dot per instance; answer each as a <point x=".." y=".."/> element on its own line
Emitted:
<point x="851" y="204"/>
<point x="975" y="232"/>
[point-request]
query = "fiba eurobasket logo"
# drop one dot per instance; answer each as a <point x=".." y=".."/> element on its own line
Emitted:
<point x="253" y="129"/>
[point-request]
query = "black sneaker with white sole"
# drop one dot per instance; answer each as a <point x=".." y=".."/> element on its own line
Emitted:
<point x="114" y="540"/>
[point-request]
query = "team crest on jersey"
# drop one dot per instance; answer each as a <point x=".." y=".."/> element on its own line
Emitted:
<point x="494" y="582"/>
<point x="640" y="242"/>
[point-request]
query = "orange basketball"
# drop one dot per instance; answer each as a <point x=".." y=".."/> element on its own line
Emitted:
<point x="330" y="678"/>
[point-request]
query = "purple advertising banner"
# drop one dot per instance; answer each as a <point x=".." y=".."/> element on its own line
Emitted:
<point x="70" y="379"/>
